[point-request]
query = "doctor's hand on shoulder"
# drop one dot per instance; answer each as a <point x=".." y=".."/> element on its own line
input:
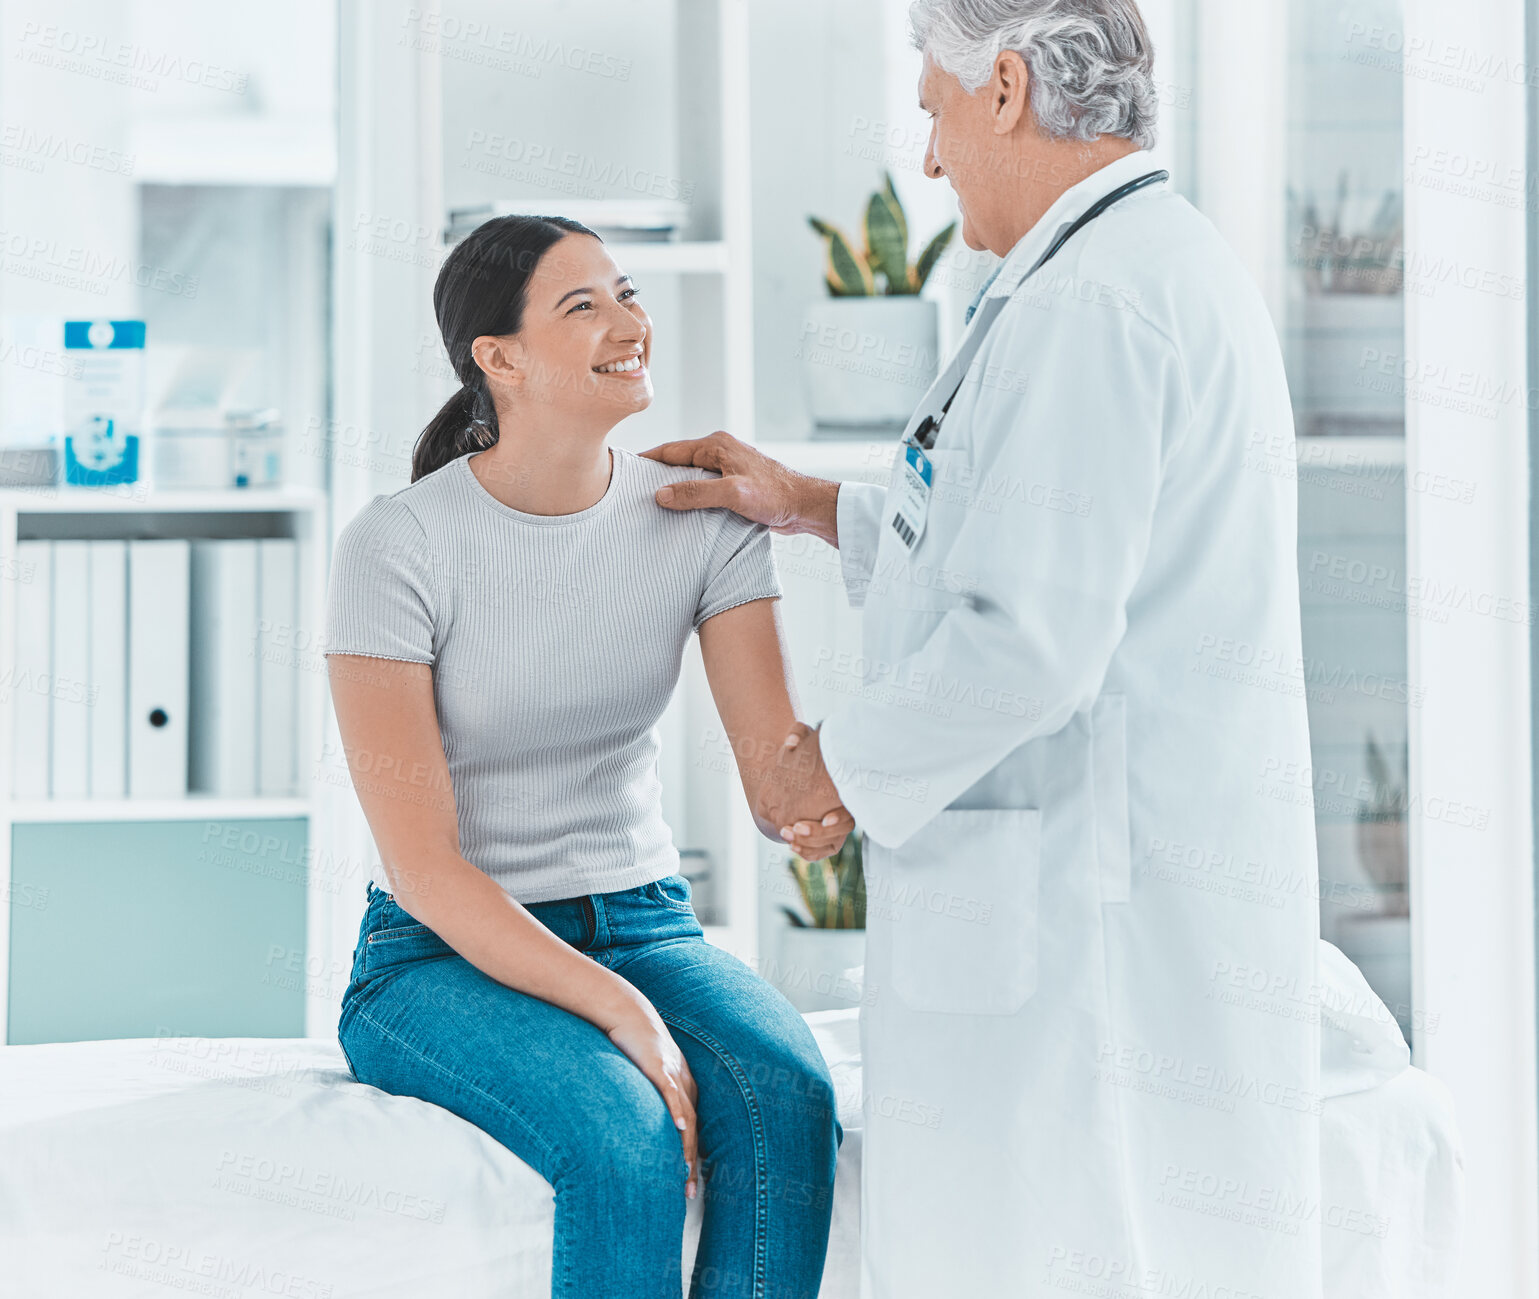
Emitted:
<point x="752" y="484"/>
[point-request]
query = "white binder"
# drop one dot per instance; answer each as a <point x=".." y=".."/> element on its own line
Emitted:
<point x="69" y="692"/>
<point x="109" y="668"/>
<point x="157" y="668"/>
<point x="278" y="690"/>
<point x="222" y="717"/>
<point x="31" y="761"/>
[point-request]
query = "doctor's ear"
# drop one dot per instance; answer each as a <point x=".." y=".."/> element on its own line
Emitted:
<point x="499" y="358"/>
<point x="1010" y="90"/>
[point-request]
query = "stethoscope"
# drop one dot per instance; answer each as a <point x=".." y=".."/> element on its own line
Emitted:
<point x="925" y="433"/>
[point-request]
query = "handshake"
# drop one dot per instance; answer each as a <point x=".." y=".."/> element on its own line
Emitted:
<point x="797" y="799"/>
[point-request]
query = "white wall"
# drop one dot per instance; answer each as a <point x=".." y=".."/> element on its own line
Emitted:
<point x="1468" y="195"/>
<point x="564" y="132"/>
<point x="819" y="89"/>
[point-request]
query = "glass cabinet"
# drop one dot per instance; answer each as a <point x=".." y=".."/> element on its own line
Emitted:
<point x="1310" y="193"/>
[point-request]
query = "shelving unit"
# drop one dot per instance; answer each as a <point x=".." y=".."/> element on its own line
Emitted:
<point x="209" y="220"/>
<point x="84" y="512"/>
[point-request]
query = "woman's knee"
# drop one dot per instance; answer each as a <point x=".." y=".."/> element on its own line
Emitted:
<point x="795" y="1091"/>
<point x="626" y="1147"/>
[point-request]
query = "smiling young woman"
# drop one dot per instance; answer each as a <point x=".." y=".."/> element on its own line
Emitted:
<point x="504" y="634"/>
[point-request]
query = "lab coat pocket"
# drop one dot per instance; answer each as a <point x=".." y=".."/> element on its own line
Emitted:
<point x="1109" y="758"/>
<point x="962" y="896"/>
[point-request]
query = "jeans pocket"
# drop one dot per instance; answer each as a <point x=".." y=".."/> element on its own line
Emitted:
<point x="673" y="891"/>
<point x="394" y="945"/>
<point x="964" y="895"/>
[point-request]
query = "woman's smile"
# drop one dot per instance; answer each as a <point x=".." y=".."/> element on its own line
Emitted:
<point x="630" y="367"/>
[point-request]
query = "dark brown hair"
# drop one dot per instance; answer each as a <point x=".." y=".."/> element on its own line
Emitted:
<point x="482" y="288"/>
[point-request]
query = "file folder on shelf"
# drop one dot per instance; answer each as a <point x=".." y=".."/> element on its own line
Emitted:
<point x="222" y="722"/>
<point x="109" y="668"/>
<point x="69" y="693"/>
<point x="31" y="759"/>
<point x="278" y="673"/>
<point x="158" y="573"/>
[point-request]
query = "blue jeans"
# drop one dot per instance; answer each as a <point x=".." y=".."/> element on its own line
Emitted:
<point x="420" y="1020"/>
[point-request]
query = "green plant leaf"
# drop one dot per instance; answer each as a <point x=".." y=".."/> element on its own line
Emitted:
<point x="846" y="274"/>
<point x="897" y="207"/>
<point x="888" y="242"/>
<point x="931" y="255"/>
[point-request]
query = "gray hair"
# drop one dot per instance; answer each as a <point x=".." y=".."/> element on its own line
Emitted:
<point x="1091" y="61"/>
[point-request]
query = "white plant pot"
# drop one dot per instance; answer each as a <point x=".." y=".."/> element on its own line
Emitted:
<point x="812" y="964"/>
<point x="866" y="362"/>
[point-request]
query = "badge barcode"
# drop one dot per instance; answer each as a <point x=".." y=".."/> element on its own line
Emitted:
<point x="904" y="531"/>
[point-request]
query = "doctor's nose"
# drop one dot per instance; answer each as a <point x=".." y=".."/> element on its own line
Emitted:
<point x="932" y="167"/>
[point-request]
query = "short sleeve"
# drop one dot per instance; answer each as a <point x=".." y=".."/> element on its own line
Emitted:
<point x="740" y="567"/>
<point x="379" y="600"/>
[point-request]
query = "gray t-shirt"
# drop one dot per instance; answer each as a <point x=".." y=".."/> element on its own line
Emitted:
<point x="555" y="643"/>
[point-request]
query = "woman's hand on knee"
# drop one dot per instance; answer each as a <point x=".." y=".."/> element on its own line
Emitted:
<point x="646" y="1041"/>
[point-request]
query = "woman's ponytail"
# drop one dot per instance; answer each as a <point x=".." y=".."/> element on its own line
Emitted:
<point x="455" y="431"/>
<point x="481" y="290"/>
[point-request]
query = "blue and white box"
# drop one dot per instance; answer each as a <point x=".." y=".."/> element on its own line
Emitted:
<point x="103" y="401"/>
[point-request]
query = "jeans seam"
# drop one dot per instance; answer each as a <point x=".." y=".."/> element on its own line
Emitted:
<point x="760" y="1151"/>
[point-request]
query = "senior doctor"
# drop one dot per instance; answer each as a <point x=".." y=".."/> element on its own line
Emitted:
<point x="1091" y="1059"/>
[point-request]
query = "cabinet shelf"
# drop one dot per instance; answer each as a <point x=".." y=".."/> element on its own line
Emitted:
<point x="192" y="807"/>
<point x="702" y="256"/>
<point x="91" y="500"/>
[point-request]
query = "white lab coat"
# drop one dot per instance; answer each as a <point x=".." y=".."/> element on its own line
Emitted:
<point x="1081" y="757"/>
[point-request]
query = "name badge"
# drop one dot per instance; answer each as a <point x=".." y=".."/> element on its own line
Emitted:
<point x="912" y="496"/>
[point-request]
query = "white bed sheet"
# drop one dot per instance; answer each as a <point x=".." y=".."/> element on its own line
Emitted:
<point x="257" y="1167"/>
<point x="1392" y="1183"/>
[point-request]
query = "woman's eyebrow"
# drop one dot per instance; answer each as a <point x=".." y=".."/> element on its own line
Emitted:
<point x="572" y="293"/>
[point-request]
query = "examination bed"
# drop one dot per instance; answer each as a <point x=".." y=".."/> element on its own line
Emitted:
<point x="257" y="1167"/>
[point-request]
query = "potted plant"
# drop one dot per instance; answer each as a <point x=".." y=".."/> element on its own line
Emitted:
<point x="816" y="956"/>
<point x="869" y="350"/>
<point x="1381" y="846"/>
<point x="1378" y="938"/>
